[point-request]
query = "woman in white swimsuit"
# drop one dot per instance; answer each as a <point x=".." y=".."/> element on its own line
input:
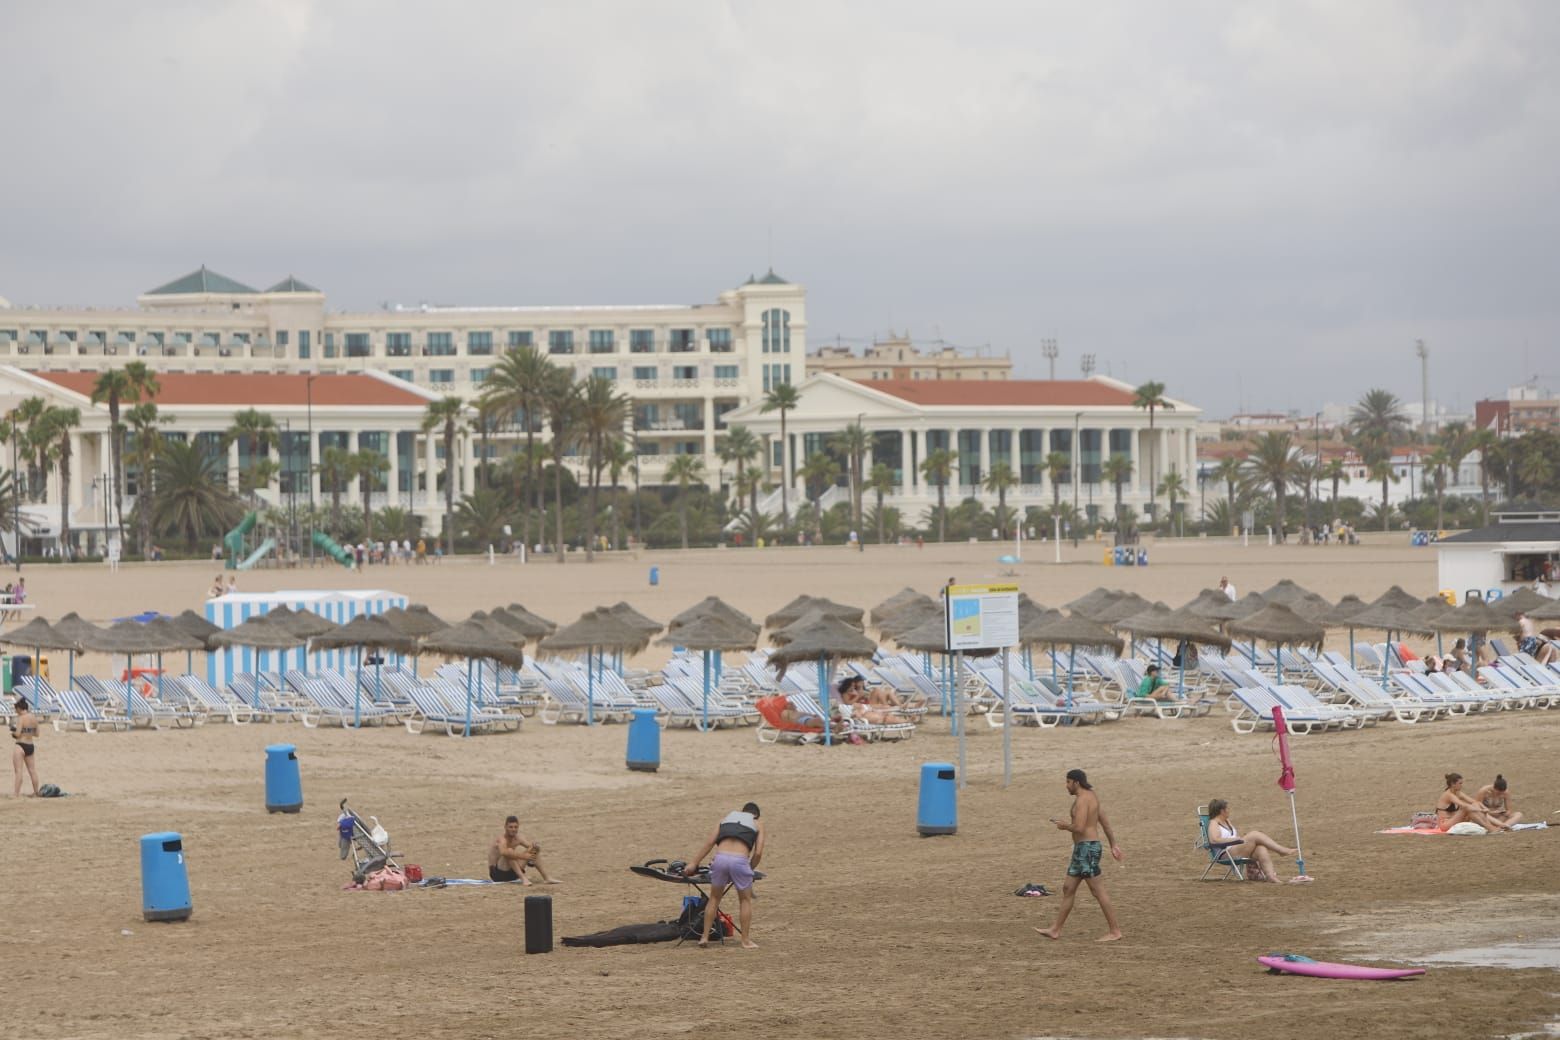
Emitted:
<point x="1253" y="845"/>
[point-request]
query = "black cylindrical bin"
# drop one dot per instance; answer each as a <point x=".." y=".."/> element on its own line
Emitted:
<point x="538" y="924"/>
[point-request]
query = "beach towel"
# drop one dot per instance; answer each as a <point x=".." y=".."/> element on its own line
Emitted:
<point x="1414" y="830"/>
<point x="1540" y="826"/>
<point x="771" y="707"/>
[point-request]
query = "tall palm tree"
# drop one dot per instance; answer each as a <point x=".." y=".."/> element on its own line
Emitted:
<point x="937" y="468"/>
<point x="520" y="381"/>
<point x="1173" y="487"/>
<point x="740" y="447"/>
<point x="881" y="481"/>
<point x="1333" y="470"/>
<point x="1057" y="466"/>
<point x="1228" y="470"/>
<point x="1378" y="425"/>
<point x="782" y="398"/>
<point x="1001" y="479"/>
<point x="1435" y="464"/>
<point x="256" y="430"/>
<point x="190" y="497"/>
<point x="110" y="388"/>
<point x="684" y="470"/>
<point x="1117" y="470"/>
<point x="1533" y="467"/>
<point x="1484" y="441"/>
<point x="145" y="422"/>
<point x="27" y="418"/>
<point x="602" y="413"/>
<point x="368" y="467"/>
<point x="1273" y="463"/>
<point x="562" y="403"/>
<point x="853" y="442"/>
<point x="445" y="415"/>
<point x="1381" y="469"/>
<point x="58" y="424"/>
<point x="820" y="470"/>
<point x="335" y="469"/>
<point x="1151" y="396"/>
<point x="620" y="459"/>
<point x="748" y="481"/>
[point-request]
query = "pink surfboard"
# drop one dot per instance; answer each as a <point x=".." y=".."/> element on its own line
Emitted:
<point x="1295" y="965"/>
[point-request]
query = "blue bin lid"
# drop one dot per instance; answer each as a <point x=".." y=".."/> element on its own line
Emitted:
<point x="936" y="765"/>
<point x="280" y="749"/>
<point x="160" y="837"/>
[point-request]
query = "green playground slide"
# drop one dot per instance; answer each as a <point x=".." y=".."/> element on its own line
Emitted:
<point x="260" y="553"/>
<point x="233" y="541"/>
<point x="334" y="551"/>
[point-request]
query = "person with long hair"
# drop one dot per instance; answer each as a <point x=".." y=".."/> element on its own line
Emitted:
<point x="24" y="756"/>
<point x="1085" y="823"/>
<point x="1454" y="807"/>
<point x="1497" y="803"/>
<point x="1252" y="845"/>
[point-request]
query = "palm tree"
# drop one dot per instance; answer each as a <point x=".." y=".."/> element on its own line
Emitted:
<point x="937" y="468"/>
<point x="1001" y="479"/>
<point x="853" y="442"/>
<point x="1435" y="464"/>
<point x="27" y="419"/>
<point x="1334" y="471"/>
<point x="562" y="403"/>
<point x="1117" y="470"/>
<point x="682" y="471"/>
<point x="520" y="381"/>
<point x="1173" y="487"/>
<point x="109" y="388"/>
<point x="1273" y="462"/>
<point x="335" y="469"/>
<point x="620" y="459"/>
<point x="367" y="467"/>
<point x="1378" y="425"/>
<point x="256" y="430"/>
<point x="57" y="424"/>
<point x="1057" y="466"/>
<point x="748" y="481"/>
<point x="445" y="415"/>
<point x="190" y="498"/>
<point x="483" y="514"/>
<point x="1533" y="467"/>
<point x="397" y="522"/>
<point x="881" y="481"/>
<point x="782" y="398"/>
<point x="1151" y="396"/>
<point x="1381" y="469"/>
<point x="145" y="423"/>
<point x="1484" y="441"/>
<point x="821" y="471"/>
<point x="602" y="413"/>
<point x="740" y="447"/>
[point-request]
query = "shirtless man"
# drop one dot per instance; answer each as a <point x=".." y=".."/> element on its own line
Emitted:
<point x="1085" y="824"/>
<point x="510" y="854"/>
<point x="738" y="844"/>
<point x="1497" y="802"/>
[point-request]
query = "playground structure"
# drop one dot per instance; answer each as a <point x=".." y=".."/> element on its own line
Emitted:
<point x="235" y="557"/>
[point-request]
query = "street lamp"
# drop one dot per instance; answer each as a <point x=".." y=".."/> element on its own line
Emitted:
<point x="309" y="459"/>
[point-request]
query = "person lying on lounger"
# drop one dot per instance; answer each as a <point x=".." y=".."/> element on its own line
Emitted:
<point x="1253" y="845"/>
<point x="510" y="854"/>
<point x="1496" y="801"/>
<point x="1454" y="807"/>
<point x="852" y="690"/>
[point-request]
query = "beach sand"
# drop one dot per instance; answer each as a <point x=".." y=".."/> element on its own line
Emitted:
<point x="866" y="929"/>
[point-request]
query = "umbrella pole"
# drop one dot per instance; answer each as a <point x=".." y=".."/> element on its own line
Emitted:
<point x="129" y="671"/>
<point x="1072" y="660"/>
<point x="590" y="691"/>
<point x="1386" y="657"/>
<point x="1294" y="814"/>
<point x="159" y="675"/>
<point x="823" y="688"/>
<point x="1351" y="648"/>
<point x="1278" y="658"/>
<point x="379" y="689"/>
<point x="705" y="725"/>
<point x="466" y="732"/>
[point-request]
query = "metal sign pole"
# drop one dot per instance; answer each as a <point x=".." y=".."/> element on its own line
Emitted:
<point x="1007" y="725"/>
<point x="958" y="710"/>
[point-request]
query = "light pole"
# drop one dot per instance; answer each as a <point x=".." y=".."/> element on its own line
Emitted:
<point x="1049" y="348"/>
<point x="1316" y="465"/>
<point x="1076" y="470"/>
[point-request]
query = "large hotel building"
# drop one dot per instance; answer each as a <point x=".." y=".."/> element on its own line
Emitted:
<point x="686" y="367"/>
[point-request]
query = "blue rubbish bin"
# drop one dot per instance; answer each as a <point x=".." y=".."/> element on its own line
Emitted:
<point x="655" y="575"/>
<point x="165" y="884"/>
<point x="938" y="811"/>
<point x="283" y="788"/>
<point x="644" y="741"/>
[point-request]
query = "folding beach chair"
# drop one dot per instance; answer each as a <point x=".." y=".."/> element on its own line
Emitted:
<point x="1219" y="855"/>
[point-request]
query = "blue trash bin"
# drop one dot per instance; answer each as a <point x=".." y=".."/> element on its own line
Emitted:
<point x="283" y="787"/>
<point x="165" y="884"/>
<point x="655" y="575"/>
<point x="938" y="811"/>
<point x="644" y="741"/>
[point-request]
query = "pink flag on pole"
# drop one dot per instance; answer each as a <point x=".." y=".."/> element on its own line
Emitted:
<point x="1286" y="778"/>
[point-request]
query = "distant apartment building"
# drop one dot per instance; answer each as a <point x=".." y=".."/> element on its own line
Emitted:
<point x="1524" y="408"/>
<point x="898" y="358"/>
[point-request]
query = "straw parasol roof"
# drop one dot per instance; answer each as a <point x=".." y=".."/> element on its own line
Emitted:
<point x="532" y="626"/>
<point x="1029" y="611"/>
<point x="170" y="632"/>
<point x="714" y="607"/>
<point x="74" y="626"/>
<point x="1126" y="605"/>
<point x="304" y="623"/>
<point x="1311" y="606"/>
<point x="598" y="629"/>
<point x="37" y="634"/>
<point x="1060" y="630"/>
<point x="1524" y="600"/>
<point x="801" y="605"/>
<point x="1396" y="597"/>
<point x="1177" y="625"/>
<point x="501" y="617"/>
<point x="536" y="619"/>
<point x="711" y="632"/>
<point x="895" y="603"/>
<point x="1340" y="616"/>
<point x="1206" y="601"/>
<point x="1276" y="623"/>
<point x="470" y="639"/>
<point x="1286" y="592"/>
<point x="1090" y="601"/>
<point x="1431" y="608"/>
<point x="1385" y="617"/>
<point x="930" y="634"/>
<point x="818" y="635"/>
<point x="258" y="632"/>
<point x="1139" y="622"/>
<point x="195" y="625"/>
<point x="635" y="620"/>
<point x="133" y="637"/>
<point x="368" y="631"/>
<point x="1474" y="616"/>
<point x="1549" y="612"/>
<point x="418" y="620"/>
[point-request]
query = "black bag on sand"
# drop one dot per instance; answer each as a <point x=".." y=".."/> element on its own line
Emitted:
<point x="629" y="935"/>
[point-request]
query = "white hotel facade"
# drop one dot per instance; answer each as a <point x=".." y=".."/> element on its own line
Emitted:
<point x="689" y="369"/>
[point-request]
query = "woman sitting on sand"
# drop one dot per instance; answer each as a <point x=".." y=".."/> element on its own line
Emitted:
<point x="1496" y="801"/>
<point x="1253" y="845"/>
<point x="1454" y="807"/>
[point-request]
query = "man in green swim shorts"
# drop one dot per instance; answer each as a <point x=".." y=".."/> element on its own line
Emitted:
<point x="1085" y="824"/>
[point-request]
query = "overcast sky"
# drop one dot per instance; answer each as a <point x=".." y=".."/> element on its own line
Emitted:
<point x="1255" y="203"/>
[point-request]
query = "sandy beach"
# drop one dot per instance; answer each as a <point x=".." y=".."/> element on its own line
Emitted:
<point x="865" y="929"/>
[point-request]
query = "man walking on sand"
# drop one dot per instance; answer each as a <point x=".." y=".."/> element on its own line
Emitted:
<point x="1085" y="824"/>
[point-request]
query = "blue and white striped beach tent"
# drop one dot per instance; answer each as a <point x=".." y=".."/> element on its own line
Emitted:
<point x="338" y="606"/>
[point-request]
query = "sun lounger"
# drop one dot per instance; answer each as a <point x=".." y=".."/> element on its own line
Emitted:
<point x="1345" y="683"/>
<point x="432" y="709"/>
<point x="217" y="706"/>
<point x="77" y="709"/>
<point x="1257" y="704"/>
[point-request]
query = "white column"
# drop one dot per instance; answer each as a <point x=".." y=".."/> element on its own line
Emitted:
<point x="468" y="464"/>
<point x="393" y="488"/>
<point x="905" y="479"/>
<point x="78" y="452"/>
<point x="232" y="465"/>
<point x="430" y="474"/>
<point x="918" y="456"/>
<point x="105" y="494"/>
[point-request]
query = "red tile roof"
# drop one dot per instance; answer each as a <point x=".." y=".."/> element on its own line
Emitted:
<point x="1003" y="393"/>
<point x="259" y="390"/>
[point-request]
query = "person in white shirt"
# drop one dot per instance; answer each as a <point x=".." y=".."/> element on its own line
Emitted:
<point x="1227" y="588"/>
<point x="1253" y="845"/>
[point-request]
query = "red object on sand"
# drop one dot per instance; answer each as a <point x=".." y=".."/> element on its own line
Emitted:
<point x="771" y="707"/>
<point x="1286" y="778"/>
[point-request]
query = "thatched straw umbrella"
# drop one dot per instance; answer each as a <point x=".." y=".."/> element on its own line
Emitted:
<point x="74" y="626"/>
<point x="475" y="641"/>
<point x="172" y="631"/>
<point x="1287" y="593"/>
<point x="1522" y="601"/>
<point x="711" y="633"/>
<point x="595" y="631"/>
<point x="1085" y="605"/>
<point x="802" y="605"/>
<point x="1390" y="614"/>
<point x="714" y="606"/>
<point x="193" y="624"/>
<point x="262" y="635"/>
<point x="1127" y="605"/>
<point x="135" y="637"/>
<point x="895" y="603"/>
<point x="1071" y="632"/>
<point x="816" y="636"/>
<point x="1342" y="616"/>
<point x="929" y="635"/>
<point x="1478" y="619"/>
<point x="1279" y="625"/>
<point x="543" y="626"/>
<point x="1551" y="612"/>
<point x="1396" y="597"/>
<point x="1209" y="604"/>
<point x="417" y="620"/>
<point x="365" y="632"/>
<point x="40" y="636"/>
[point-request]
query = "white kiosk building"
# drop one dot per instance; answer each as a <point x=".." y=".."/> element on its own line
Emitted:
<point x="1513" y="551"/>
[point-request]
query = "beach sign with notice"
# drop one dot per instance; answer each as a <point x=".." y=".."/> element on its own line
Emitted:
<point x="981" y="617"/>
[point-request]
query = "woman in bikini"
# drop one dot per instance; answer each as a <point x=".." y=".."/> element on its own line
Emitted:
<point x="1496" y="800"/>
<point x="1454" y="807"/>
<point x="1253" y="845"/>
<point x="24" y="730"/>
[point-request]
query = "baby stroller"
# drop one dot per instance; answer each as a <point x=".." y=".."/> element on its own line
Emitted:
<point x="368" y="846"/>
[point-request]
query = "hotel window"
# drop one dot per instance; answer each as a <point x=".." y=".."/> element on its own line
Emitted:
<point x="690" y="415"/>
<point x="681" y="341"/>
<point x="560" y="341"/>
<point x="721" y="408"/>
<point x="479" y="375"/>
<point x="303" y="343"/>
<point x="441" y="375"/>
<point x="605" y="372"/>
<point x="726" y="372"/>
<point x="402" y="373"/>
<point x="182" y="338"/>
<point x="520" y="338"/>
<point x="777" y="331"/>
<point x="156" y="338"/>
<point x="281" y="337"/>
<point x="645" y="373"/>
<point x="358" y="345"/>
<point x="479" y="343"/>
<point x="646" y="416"/>
<point x="641" y="341"/>
<point x="601" y="341"/>
<point x="398" y="344"/>
<point x="720" y="340"/>
<point x="687" y="447"/>
<point x="776" y="375"/>
<point x="330" y="344"/>
<point x="688" y="372"/>
<point x="648" y="448"/>
<point x="440" y="344"/>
